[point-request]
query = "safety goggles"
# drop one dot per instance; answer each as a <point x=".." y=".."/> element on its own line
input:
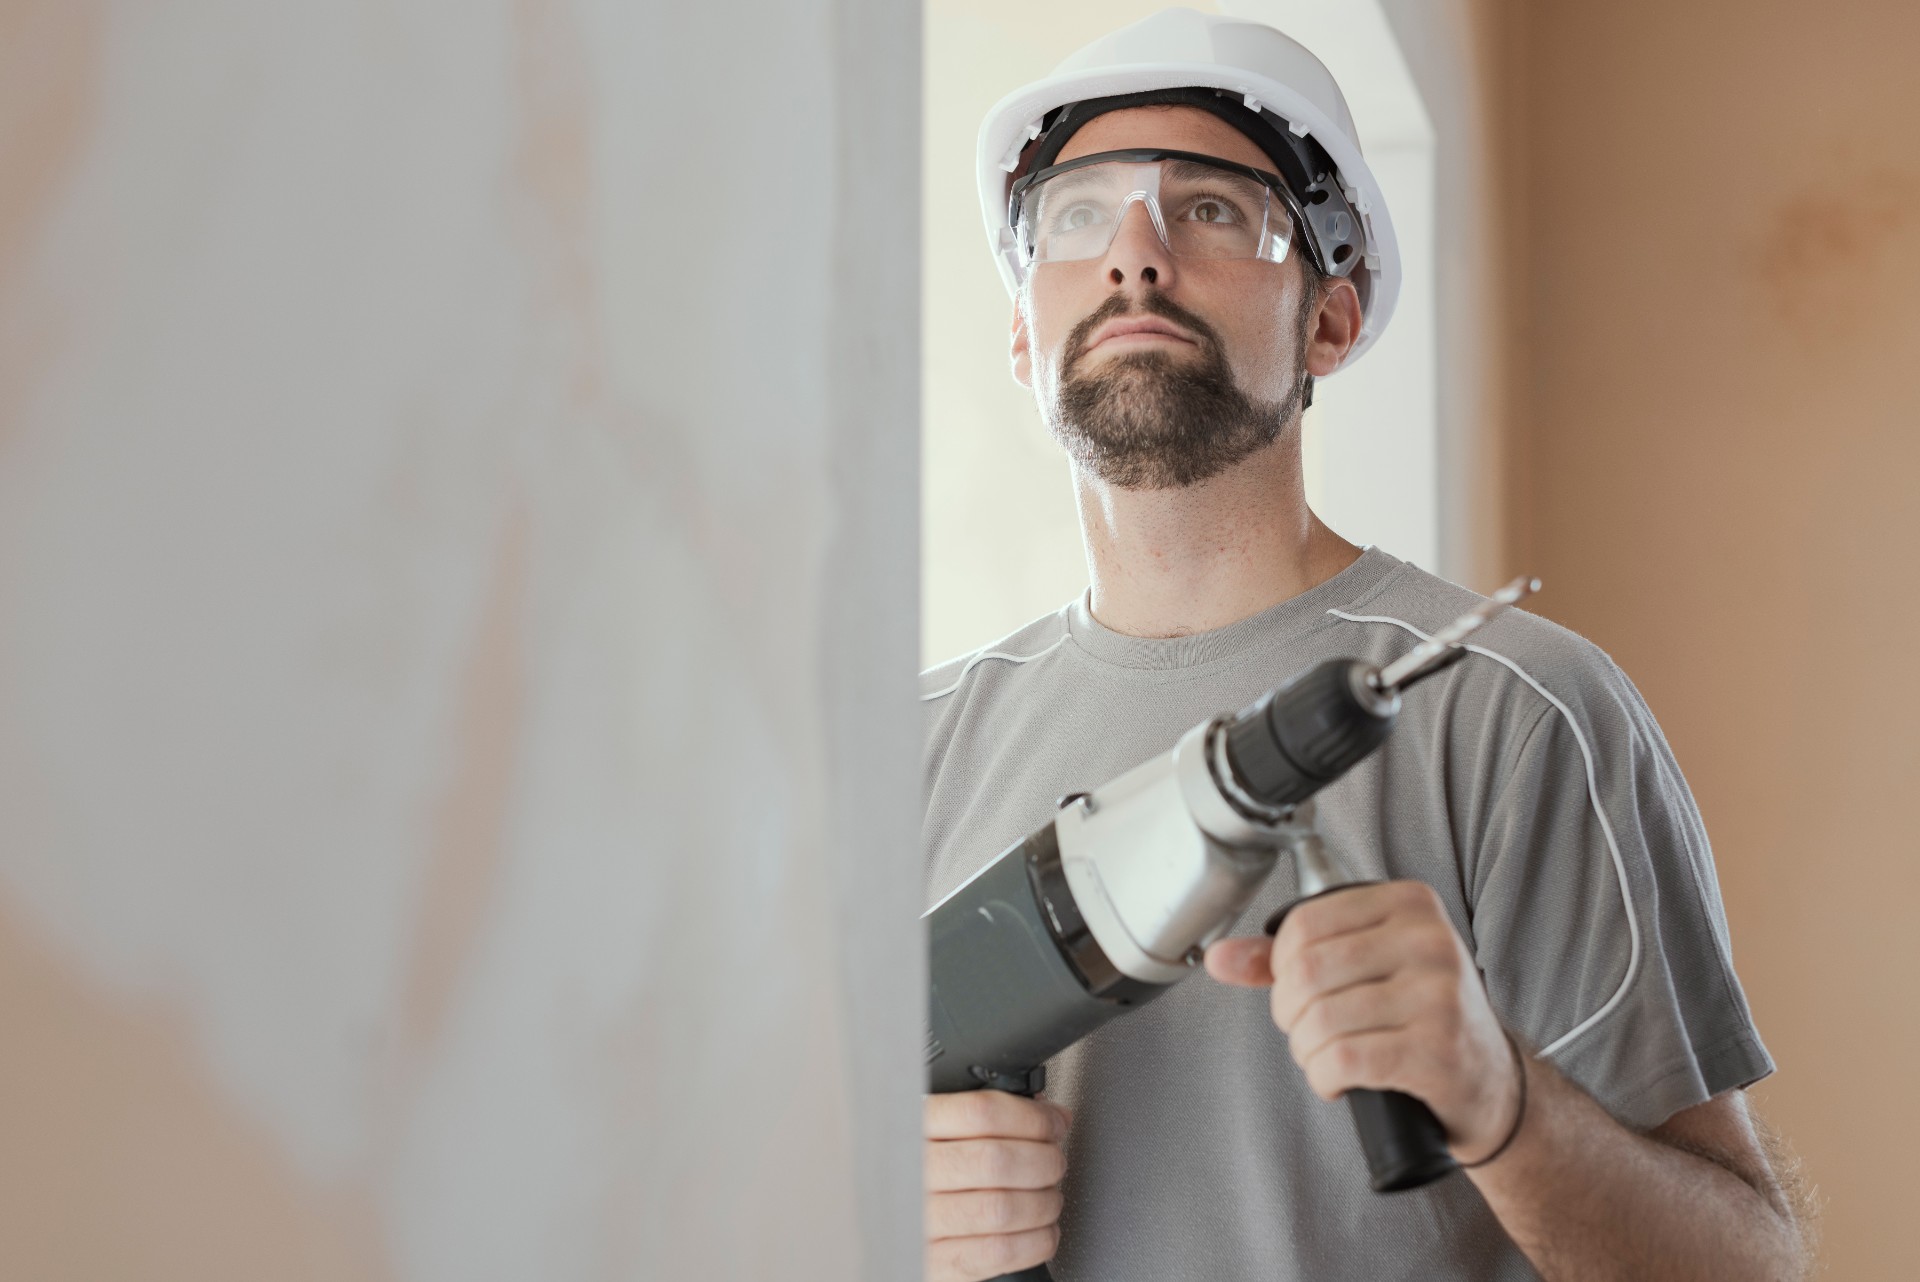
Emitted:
<point x="1200" y="207"/>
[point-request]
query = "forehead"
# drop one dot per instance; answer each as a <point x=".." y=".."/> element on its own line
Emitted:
<point x="1170" y="128"/>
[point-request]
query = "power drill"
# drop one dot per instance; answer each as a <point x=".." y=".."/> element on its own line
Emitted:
<point x="1115" y="899"/>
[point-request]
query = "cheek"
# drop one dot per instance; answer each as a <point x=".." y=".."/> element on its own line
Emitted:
<point x="1050" y="318"/>
<point x="1255" y="349"/>
<point x="1263" y="342"/>
<point x="1058" y="296"/>
<point x="1251" y="308"/>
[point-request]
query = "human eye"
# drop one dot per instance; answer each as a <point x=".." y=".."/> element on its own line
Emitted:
<point x="1213" y="208"/>
<point x="1077" y="216"/>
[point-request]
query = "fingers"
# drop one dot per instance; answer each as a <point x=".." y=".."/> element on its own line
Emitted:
<point x="1353" y="908"/>
<point x="968" y="1115"/>
<point x="1374" y="1061"/>
<point x="1244" y="963"/>
<point x="1395" y="931"/>
<point x="955" y="1165"/>
<point x="1362" y="1008"/>
<point x="972" y="1259"/>
<point x="1329" y="965"/>
<point x="993" y="1165"/>
<point x="978" y="1212"/>
<point x="1254" y="962"/>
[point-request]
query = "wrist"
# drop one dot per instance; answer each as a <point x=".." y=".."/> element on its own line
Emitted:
<point x="1515" y="1112"/>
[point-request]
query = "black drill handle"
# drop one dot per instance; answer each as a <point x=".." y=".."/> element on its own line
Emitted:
<point x="1405" y="1144"/>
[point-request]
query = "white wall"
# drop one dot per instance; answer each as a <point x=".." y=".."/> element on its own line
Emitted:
<point x="1371" y="438"/>
<point x="458" y="789"/>
<point x="1451" y="49"/>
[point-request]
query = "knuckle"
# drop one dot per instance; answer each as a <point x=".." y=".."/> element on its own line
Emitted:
<point x="944" y="1216"/>
<point x="992" y="1164"/>
<point x="1441" y="951"/>
<point x="946" y="1165"/>
<point x="1417" y="895"/>
<point x="973" y="1112"/>
<point x="1322" y="1080"/>
<point x="1384" y="1061"/>
<point x="1000" y="1253"/>
<point x="1418" y="950"/>
<point x="997" y="1211"/>
<point x="981" y="1167"/>
<point x="1279" y="1006"/>
<point x="1347" y="1057"/>
<point x="953" y="1261"/>
<point x="1311" y="965"/>
<point x="1308" y="919"/>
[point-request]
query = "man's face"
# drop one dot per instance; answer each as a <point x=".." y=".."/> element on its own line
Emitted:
<point x="1153" y="409"/>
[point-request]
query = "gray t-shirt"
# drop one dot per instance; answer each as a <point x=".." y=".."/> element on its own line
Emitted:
<point x="1528" y="784"/>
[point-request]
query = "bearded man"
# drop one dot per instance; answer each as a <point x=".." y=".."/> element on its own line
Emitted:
<point x="1193" y="239"/>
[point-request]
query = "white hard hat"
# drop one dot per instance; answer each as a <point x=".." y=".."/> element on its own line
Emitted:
<point x="1273" y="78"/>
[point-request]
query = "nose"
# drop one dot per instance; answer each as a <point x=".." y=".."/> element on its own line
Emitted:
<point x="1137" y="256"/>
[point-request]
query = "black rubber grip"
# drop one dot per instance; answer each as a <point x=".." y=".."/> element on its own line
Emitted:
<point x="1405" y="1144"/>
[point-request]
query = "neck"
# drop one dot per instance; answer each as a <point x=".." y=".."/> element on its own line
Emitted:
<point x="1168" y="563"/>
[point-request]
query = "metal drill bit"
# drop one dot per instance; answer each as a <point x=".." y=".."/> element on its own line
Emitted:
<point x="1443" y="647"/>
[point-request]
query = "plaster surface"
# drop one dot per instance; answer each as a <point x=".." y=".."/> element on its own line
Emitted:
<point x="457" y="790"/>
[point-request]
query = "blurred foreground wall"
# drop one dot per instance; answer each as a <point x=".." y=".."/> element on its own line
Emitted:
<point x="1718" y="445"/>
<point x="458" y="790"/>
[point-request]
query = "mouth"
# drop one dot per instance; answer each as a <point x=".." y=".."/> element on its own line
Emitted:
<point x="1137" y="331"/>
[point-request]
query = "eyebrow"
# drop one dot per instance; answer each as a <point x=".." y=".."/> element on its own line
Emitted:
<point x="1190" y="169"/>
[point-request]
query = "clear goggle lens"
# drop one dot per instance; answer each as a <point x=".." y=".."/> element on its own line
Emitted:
<point x="1072" y="212"/>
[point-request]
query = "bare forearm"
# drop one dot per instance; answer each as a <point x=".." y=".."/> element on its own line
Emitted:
<point x="1588" y="1199"/>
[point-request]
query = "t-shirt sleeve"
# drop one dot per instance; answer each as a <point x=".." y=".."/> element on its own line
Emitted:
<point x="1596" y="914"/>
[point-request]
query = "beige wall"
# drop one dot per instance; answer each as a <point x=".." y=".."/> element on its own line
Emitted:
<point x="457" y="745"/>
<point x="1716" y="458"/>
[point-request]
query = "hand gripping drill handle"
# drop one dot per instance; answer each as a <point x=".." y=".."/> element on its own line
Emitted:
<point x="1282" y="750"/>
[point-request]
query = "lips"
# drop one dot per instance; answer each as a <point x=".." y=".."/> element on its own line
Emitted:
<point x="1124" y="326"/>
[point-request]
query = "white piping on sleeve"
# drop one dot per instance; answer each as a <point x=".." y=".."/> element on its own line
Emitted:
<point x="992" y="654"/>
<point x="1593" y="799"/>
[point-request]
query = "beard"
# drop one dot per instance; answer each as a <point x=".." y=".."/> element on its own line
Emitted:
<point x="1146" y="421"/>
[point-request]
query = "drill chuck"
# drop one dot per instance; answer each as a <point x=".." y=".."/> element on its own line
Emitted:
<point x="1299" y="738"/>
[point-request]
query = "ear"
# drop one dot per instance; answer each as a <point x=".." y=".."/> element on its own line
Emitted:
<point x="1020" y="348"/>
<point x="1335" y="327"/>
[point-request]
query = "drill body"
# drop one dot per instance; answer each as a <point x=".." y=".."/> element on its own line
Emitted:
<point x="1114" y="900"/>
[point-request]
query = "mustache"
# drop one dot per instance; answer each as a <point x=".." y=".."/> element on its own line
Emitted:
<point x="1153" y="303"/>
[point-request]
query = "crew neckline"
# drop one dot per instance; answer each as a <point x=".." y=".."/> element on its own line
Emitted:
<point x="1282" y="621"/>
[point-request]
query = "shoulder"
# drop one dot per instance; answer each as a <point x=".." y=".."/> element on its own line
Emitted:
<point x="959" y="695"/>
<point x="1522" y="670"/>
<point x="1554" y="663"/>
<point x="1033" y="641"/>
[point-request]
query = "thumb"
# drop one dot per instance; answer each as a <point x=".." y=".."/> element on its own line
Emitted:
<point x="1244" y="963"/>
